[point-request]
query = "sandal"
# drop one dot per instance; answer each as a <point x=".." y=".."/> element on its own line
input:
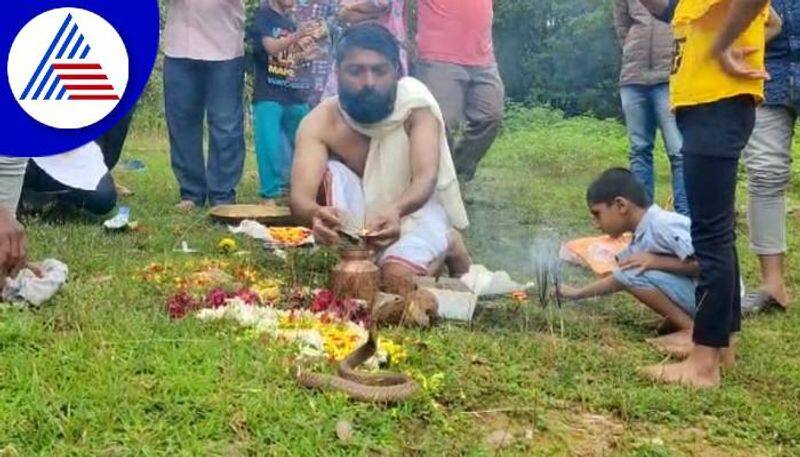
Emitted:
<point x="757" y="302"/>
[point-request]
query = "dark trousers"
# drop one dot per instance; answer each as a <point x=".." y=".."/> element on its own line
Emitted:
<point x="112" y="142"/>
<point x="195" y="90"/>
<point x="39" y="188"/>
<point x="714" y="136"/>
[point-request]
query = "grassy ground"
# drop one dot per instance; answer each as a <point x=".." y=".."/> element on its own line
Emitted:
<point x="102" y="371"/>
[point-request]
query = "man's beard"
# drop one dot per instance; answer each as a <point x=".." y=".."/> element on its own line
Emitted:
<point x="368" y="106"/>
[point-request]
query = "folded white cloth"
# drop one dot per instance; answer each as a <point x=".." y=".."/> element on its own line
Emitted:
<point x="483" y="282"/>
<point x="30" y="288"/>
<point x="81" y="168"/>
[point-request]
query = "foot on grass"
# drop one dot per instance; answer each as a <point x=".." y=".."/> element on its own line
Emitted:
<point x="678" y="344"/>
<point x="701" y="369"/>
<point x="186" y="206"/>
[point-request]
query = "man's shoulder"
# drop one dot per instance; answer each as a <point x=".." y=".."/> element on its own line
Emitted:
<point x="322" y="118"/>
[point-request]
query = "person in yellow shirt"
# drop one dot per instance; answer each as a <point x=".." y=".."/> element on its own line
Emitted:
<point x="717" y="81"/>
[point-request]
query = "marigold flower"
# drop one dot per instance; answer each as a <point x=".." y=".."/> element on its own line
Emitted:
<point x="227" y="245"/>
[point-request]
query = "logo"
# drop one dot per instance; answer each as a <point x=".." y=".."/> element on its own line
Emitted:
<point x="68" y="68"/>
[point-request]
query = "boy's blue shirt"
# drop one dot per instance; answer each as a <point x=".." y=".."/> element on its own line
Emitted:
<point x="661" y="232"/>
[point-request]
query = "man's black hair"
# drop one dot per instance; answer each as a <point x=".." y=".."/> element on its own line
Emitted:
<point x="617" y="182"/>
<point x="369" y="36"/>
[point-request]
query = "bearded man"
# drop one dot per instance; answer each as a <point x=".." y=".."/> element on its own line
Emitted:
<point x="376" y="158"/>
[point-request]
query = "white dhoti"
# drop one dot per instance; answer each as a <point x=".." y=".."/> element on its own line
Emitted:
<point x="420" y="248"/>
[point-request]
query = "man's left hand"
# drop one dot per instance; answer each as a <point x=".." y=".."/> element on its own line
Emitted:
<point x="383" y="229"/>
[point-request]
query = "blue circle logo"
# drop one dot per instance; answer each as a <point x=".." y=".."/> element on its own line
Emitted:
<point x="72" y="71"/>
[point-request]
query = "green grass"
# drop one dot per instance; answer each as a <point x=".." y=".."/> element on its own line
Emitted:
<point x="102" y="371"/>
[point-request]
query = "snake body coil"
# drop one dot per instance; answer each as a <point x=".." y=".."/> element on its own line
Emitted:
<point x="360" y="386"/>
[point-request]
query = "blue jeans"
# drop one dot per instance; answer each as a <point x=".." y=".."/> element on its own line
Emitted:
<point x="273" y="123"/>
<point x="647" y="108"/>
<point x="195" y="90"/>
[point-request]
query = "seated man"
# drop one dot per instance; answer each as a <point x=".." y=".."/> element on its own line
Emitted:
<point x="80" y="178"/>
<point x="376" y="158"/>
<point x="77" y="178"/>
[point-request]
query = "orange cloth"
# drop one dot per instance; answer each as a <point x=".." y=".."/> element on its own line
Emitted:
<point x="597" y="253"/>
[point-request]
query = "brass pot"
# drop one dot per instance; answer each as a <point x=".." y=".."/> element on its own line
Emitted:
<point x="356" y="276"/>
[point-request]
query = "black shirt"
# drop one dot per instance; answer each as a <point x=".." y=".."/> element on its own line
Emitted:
<point x="276" y="76"/>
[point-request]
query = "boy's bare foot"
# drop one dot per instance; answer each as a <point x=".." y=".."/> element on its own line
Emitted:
<point x="269" y="202"/>
<point x="678" y="344"/>
<point x="186" y="206"/>
<point x="700" y="370"/>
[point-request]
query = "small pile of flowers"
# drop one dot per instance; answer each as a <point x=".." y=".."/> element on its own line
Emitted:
<point x="323" y="326"/>
<point x="319" y="335"/>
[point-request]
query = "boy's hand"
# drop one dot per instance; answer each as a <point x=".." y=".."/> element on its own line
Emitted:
<point x="642" y="260"/>
<point x="568" y="292"/>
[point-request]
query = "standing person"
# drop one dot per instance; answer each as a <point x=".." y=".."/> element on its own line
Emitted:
<point x="717" y="81"/>
<point x="279" y="96"/>
<point x="388" y="13"/>
<point x="204" y="79"/>
<point x="322" y="13"/>
<point x="647" y="47"/>
<point x="768" y="157"/>
<point x="457" y="63"/>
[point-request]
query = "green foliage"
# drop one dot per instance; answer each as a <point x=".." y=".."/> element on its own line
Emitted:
<point x="562" y="53"/>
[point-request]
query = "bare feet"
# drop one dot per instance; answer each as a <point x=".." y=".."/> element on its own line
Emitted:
<point x="727" y="357"/>
<point x="700" y="370"/>
<point x="677" y="344"/>
<point x="779" y="294"/>
<point x="186" y="206"/>
<point x="122" y="191"/>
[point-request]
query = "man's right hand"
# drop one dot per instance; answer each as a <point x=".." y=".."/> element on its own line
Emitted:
<point x="325" y="223"/>
<point x="734" y="62"/>
<point x="13" y="244"/>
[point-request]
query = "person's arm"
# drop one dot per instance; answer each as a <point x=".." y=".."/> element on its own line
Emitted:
<point x="13" y="244"/>
<point x="774" y="25"/>
<point x="740" y="15"/>
<point x="275" y="46"/>
<point x="605" y="286"/>
<point x="644" y="261"/>
<point x="357" y="11"/>
<point x="424" y="143"/>
<point x="622" y="20"/>
<point x="308" y="170"/>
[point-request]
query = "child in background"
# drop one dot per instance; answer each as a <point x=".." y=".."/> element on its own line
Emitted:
<point x="279" y="96"/>
<point x="323" y="13"/>
<point x="658" y="268"/>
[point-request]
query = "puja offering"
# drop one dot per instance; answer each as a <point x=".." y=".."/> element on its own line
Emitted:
<point x="289" y="236"/>
<point x="356" y="276"/>
<point x="267" y="215"/>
